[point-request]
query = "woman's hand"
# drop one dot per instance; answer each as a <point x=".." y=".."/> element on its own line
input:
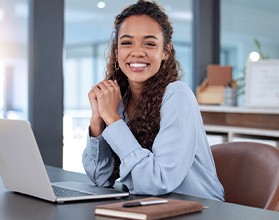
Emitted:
<point x="96" y="122"/>
<point x="105" y="99"/>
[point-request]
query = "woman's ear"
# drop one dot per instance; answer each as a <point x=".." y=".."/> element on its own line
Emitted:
<point x="167" y="51"/>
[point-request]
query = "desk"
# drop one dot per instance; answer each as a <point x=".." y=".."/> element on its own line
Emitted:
<point x="15" y="206"/>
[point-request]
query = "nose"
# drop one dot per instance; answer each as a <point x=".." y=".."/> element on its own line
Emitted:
<point x="138" y="52"/>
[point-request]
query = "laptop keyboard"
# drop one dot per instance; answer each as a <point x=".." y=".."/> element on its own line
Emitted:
<point x="63" y="192"/>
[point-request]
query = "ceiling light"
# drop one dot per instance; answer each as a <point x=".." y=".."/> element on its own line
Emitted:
<point x="254" y="56"/>
<point x="101" y="5"/>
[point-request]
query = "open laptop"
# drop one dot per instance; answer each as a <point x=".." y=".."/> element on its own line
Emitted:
<point x="22" y="168"/>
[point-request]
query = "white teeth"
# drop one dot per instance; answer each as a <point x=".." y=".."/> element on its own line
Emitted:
<point x="138" y="64"/>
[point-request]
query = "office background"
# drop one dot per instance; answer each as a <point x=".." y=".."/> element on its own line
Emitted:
<point x="52" y="52"/>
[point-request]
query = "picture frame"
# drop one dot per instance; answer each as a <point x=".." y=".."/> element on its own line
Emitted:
<point x="262" y="84"/>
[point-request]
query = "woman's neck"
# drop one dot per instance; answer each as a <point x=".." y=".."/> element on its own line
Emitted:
<point x="135" y="91"/>
<point x="135" y="94"/>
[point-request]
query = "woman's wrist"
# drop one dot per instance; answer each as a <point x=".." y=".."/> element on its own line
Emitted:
<point x="97" y="125"/>
<point x="112" y="119"/>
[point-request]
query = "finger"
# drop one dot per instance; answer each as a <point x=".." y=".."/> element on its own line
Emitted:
<point x="102" y="87"/>
<point x="98" y="91"/>
<point x="109" y="85"/>
<point x="91" y="93"/>
<point x="92" y="96"/>
<point x="113" y="84"/>
<point x="116" y="87"/>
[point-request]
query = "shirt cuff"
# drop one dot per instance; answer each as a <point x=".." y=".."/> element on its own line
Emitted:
<point x="120" y="138"/>
<point x="97" y="148"/>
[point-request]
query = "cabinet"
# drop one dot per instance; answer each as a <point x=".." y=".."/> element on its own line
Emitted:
<point x="224" y="123"/>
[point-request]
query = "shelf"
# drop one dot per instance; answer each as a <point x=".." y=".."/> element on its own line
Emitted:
<point x="233" y="109"/>
<point x="233" y="123"/>
<point x="239" y="130"/>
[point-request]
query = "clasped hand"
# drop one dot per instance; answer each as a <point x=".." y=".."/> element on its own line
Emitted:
<point x="104" y="99"/>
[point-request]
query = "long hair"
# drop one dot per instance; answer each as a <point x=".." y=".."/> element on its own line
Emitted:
<point x="145" y="124"/>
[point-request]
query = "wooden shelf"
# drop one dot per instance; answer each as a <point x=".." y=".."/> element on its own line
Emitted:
<point x="233" y="109"/>
<point x="235" y="123"/>
<point x="244" y="131"/>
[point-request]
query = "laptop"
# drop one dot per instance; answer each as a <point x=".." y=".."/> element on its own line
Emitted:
<point x="22" y="169"/>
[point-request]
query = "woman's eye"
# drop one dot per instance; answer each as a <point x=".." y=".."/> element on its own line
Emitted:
<point x="126" y="43"/>
<point x="150" y="44"/>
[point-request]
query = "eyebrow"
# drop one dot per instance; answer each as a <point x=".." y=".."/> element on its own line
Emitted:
<point x="145" y="37"/>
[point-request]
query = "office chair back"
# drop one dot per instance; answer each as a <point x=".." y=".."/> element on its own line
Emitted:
<point x="249" y="173"/>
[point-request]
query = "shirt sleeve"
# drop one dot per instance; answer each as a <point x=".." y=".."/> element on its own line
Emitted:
<point x="173" y="151"/>
<point x="98" y="161"/>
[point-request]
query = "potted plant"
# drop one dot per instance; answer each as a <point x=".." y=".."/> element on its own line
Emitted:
<point x="230" y="93"/>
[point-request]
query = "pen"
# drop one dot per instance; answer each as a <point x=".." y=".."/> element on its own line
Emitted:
<point x="143" y="203"/>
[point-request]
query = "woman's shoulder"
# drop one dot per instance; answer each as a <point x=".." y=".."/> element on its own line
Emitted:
<point x="178" y="93"/>
<point x="178" y="87"/>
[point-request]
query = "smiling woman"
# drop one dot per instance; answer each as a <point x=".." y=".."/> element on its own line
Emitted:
<point x="140" y="49"/>
<point x="145" y="120"/>
<point x="85" y="61"/>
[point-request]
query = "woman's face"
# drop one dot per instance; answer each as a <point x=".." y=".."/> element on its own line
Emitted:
<point x="140" y="48"/>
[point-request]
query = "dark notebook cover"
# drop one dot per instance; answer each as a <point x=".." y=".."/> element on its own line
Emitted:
<point x="172" y="208"/>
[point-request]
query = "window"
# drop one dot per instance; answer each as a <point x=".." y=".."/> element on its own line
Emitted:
<point x="243" y="22"/>
<point x="13" y="59"/>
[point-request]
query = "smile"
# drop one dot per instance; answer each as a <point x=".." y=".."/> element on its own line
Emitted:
<point x="138" y="65"/>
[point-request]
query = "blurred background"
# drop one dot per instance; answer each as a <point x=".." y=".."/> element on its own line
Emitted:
<point x="87" y="31"/>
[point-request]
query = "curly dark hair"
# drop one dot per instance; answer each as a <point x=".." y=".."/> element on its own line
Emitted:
<point x="145" y="124"/>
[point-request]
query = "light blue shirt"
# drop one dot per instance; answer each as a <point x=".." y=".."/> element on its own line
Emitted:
<point x="181" y="160"/>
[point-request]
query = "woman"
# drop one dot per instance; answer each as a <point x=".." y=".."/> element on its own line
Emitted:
<point x="146" y="126"/>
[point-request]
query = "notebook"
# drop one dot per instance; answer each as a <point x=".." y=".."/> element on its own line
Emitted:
<point x="22" y="169"/>
<point x="170" y="208"/>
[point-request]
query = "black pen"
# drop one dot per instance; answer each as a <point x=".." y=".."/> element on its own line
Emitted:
<point x="143" y="203"/>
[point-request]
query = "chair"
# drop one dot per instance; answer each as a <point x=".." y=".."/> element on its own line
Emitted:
<point x="249" y="173"/>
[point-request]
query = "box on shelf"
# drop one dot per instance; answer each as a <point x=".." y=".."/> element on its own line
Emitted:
<point x="211" y="91"/>
<point x="211" y="95"/>
<point x="219" y="75"/>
